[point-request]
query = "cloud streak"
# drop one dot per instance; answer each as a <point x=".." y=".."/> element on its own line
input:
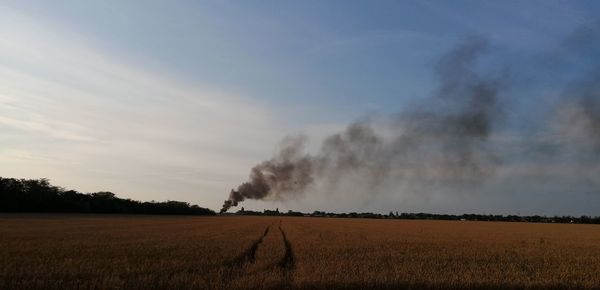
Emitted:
<point x="90" y="120"/>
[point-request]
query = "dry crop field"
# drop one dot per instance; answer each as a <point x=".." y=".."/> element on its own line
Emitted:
<point x="148" y="252"/>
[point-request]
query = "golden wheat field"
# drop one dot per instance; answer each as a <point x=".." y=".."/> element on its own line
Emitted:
<point x="148" y="252"/>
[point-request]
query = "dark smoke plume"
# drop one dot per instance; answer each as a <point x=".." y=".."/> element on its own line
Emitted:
<point x="288" y="172"/>
<point x="443" y="139"/>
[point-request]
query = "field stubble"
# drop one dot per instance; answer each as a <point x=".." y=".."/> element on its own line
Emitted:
<point x="135" y="252"/>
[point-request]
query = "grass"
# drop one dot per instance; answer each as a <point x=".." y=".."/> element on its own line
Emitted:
<point x="146" y="252"/>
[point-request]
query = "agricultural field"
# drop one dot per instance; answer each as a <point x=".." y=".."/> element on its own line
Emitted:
<point x="149" y="252"/>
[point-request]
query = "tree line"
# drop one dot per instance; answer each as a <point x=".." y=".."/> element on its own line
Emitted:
<point x="38" y="195"/>
<point x="430" y="216"/>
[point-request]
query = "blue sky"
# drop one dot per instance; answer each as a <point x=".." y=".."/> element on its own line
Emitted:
<point x="178" y="99"/>
<point x="288" y="52"/>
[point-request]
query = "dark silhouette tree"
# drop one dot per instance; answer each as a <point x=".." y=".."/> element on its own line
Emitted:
<point x="38" y="195"/>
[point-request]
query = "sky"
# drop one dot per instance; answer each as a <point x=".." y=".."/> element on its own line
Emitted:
<point x="177" y="100"/>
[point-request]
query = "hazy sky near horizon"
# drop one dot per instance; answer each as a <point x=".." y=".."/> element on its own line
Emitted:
<point x="177" y="100"/>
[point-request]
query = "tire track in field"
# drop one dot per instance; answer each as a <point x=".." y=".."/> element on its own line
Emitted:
<point x="241" y="264"/>
<point x="249" y="255"/>
<point x="287" y="262"/>
<point x="235" y="267"/>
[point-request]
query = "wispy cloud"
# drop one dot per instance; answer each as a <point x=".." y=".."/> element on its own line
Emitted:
<point x="90" y="120"/>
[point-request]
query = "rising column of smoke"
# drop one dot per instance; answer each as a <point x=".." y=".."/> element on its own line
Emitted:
<point x="290" y="171"/>
<point x="442" y="140"/>
<point x="453" y="130"/>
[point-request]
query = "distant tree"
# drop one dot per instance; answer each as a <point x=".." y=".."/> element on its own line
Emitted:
<point x="38" y="195"/>
<point x="104" y="194"/>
